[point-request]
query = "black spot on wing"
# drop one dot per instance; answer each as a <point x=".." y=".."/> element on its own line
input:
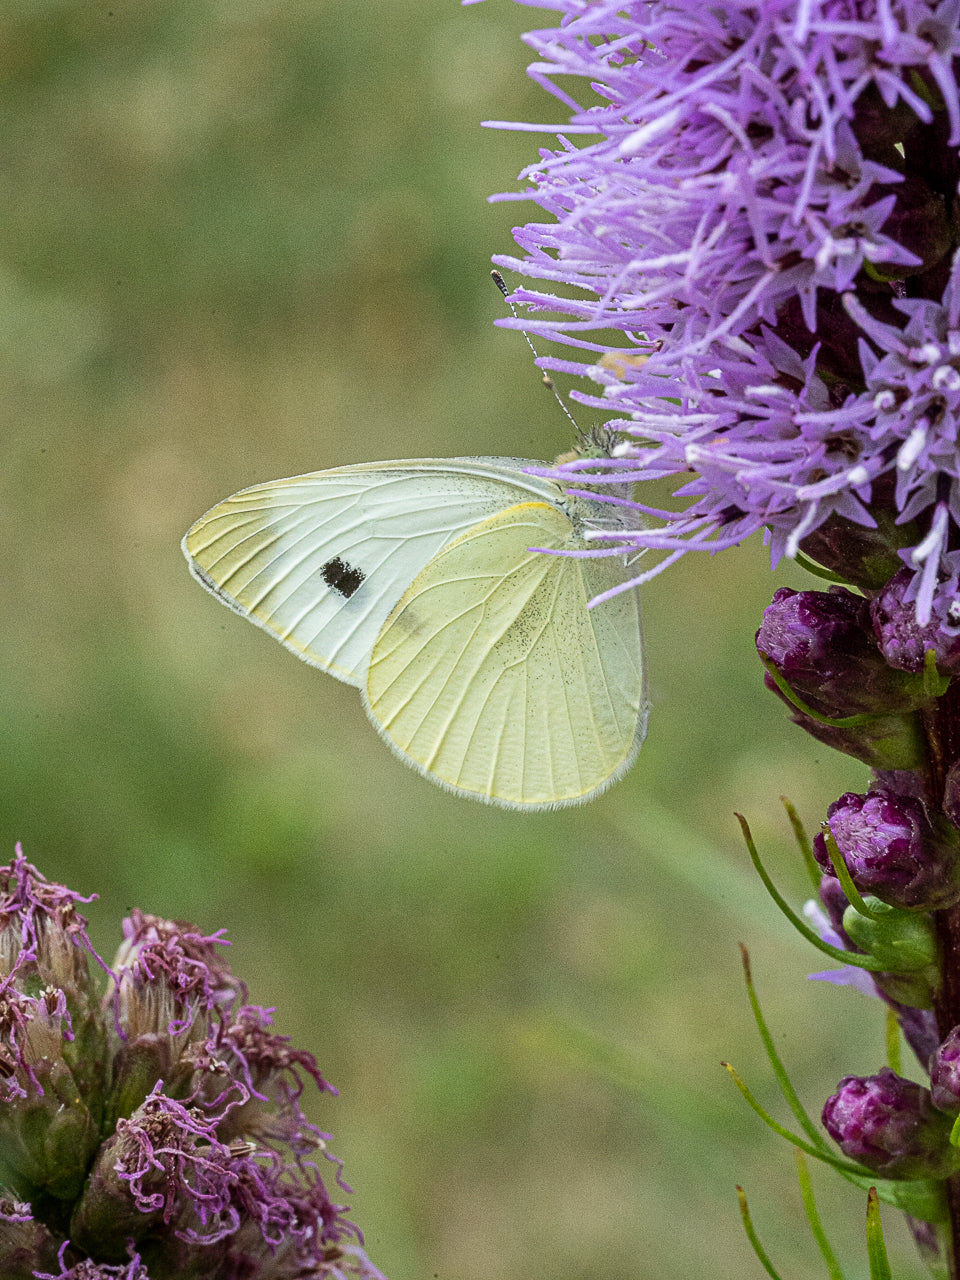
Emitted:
<point x="342" y="577"/>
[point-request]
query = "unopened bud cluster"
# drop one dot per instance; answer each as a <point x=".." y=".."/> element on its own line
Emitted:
<point x="862" y="674"/>
<point x="150" y="1118"/>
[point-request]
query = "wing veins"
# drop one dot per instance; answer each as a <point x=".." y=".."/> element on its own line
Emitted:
<point x="499" y="677"/>
<point x="582" y="661"/>
<point x="611" y="700"/>
<point x="563" y="685"/>
<point x="452" y="715"/>
<point x="480" y="604"/>
<point x="290" y="568"/>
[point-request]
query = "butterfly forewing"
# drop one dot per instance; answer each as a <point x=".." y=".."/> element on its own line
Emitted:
<point x="493" y="677"/>
<point x="320" y="560"/>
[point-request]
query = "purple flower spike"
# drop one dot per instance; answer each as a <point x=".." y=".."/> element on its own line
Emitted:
<point x="891" y="1125"/>
<point x="892" y="851"/>
<point x="755" y="190"/>
<point x="903" y="641"/>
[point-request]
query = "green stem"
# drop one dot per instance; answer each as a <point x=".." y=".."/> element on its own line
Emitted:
<point x="941" y="722"/>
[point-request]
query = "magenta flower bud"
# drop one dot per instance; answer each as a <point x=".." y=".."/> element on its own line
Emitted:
<point x="945" y="1074"/>
<point x="823" y="646"/>
<point x="902" y="640"/>
<point x="891" y="1125"/>
<point x="892" y="850"/>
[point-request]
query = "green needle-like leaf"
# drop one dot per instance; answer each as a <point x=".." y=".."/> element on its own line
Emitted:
<point x="786" y="1088"/>
<point x="813" y="1217"/>
<point x="803" y="843"/>
<point x="845" y="957"/>
<point x="894" y="1056"/>
<point x="876" y="1248"/>
<point x="840" y="1165"/>
<point x="839" y="865"/>
<point x="748" y="1227"/>
<point x="818" y="570"/>
<point x="834" y="722"/>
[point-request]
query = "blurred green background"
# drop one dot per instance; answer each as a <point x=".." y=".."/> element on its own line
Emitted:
<point x="245" y="239"/>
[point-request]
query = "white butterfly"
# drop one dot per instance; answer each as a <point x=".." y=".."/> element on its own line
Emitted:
<point x="418" y="581"/>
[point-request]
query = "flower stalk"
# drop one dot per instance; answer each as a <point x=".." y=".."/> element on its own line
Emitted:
<point x="758" y="238"/>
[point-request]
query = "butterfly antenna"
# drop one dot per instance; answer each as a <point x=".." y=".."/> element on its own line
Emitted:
<point x="548" y="382"/>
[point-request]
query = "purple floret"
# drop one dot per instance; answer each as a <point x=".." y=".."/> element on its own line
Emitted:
<point x="756" y="182"/>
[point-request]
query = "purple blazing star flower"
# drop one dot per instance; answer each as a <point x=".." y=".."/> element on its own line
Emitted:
<point x="162" y="1121"/>
<point x="761" y="213"/>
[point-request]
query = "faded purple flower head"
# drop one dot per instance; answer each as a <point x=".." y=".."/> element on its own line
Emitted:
<point x="892" y="851"/>
<point x="41" y="931"/>
<point x="761" y="205"/>
<point x="162" y="1123"/>
<point x="87" y="1270"/>
<point x="890" y="1125"/>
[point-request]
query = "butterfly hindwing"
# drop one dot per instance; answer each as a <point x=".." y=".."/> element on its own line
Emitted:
<point x="492" y="676"/>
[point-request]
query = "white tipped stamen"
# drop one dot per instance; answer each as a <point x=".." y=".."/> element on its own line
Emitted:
<point x="912" y="447"/>
<point x="946" y="378"/>
<point x="927" y="353"/>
